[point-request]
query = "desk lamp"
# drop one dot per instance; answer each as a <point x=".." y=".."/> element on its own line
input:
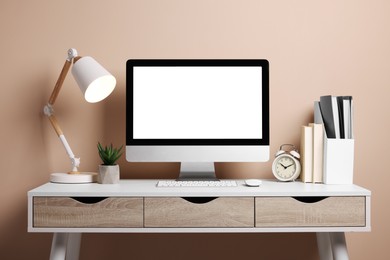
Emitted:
<point x="96" y="83"/>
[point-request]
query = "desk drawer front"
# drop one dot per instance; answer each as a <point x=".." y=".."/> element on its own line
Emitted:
<point x="220" y="212"/>
<point x="327" y="212"/>
<point x="69" y="212"/>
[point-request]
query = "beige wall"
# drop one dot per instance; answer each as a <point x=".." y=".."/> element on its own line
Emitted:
<point x="314" y="48"/>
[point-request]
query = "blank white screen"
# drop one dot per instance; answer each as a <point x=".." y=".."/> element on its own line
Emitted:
<point x="197" y="103"/>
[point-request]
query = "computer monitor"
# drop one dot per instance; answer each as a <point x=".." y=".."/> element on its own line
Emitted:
<point x="197" y="112"/>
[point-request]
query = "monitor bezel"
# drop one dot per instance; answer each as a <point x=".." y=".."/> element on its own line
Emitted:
<point x="131" y="63"/>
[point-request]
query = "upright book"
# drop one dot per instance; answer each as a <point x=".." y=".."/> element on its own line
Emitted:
<point x="347" y="116"/>
<point x="343" y="125"/>
<point x="318" y="152"/>
<point x="307" y="153"/>
<point x="330" y="115"/>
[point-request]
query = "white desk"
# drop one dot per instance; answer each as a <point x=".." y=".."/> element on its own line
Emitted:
<point x="136" y="206"/>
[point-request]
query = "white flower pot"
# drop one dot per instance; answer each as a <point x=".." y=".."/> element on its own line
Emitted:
<point x="108" y="174"/>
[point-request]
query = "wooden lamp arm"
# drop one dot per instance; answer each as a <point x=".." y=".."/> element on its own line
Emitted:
<point x="60" y="82"/>
<point x="49" y="111"/>
<point x="72" y="55"/>
<point x="56" y="126"/>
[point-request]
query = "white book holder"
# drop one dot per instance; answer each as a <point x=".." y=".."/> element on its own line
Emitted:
<point x="338" y="156"/>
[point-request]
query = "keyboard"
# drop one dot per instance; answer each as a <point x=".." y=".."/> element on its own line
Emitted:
<point x="221" y="183"/>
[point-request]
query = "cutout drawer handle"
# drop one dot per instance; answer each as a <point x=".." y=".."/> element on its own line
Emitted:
<point x="89" y="200"/>
<point x="309" y="199"/>
<point x="199" y="200"/>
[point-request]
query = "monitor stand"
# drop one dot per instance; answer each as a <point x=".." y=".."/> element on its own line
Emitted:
<point x="197" y="171"/>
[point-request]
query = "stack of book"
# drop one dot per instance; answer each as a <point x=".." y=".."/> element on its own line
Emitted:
<point x="312" y="153"/>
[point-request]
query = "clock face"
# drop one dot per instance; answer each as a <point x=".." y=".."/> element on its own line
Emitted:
<point x="285" y="167"/>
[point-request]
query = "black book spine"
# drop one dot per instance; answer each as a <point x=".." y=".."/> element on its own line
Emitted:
<point x="327" y="115"/>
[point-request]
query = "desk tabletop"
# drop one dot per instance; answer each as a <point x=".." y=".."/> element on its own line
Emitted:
<point x="147" y="188"/>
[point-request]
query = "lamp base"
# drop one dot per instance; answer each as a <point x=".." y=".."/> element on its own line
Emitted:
<point x="82" y="177"/>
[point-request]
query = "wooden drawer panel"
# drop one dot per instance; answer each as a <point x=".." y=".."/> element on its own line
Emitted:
<point x="220" y="212"/>
<point x="318" y="212"/>
<point x="69" y="212"/>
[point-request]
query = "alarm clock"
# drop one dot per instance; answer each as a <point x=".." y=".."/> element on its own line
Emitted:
<point x="286" y="165"/>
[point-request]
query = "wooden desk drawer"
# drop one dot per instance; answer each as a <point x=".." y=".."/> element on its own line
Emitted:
<point x="310" y="211"/>
<point x="70" y="212"/>
<point x="219" y="212"/>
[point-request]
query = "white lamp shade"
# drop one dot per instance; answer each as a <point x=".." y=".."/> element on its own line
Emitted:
<point x="95" y="82"/>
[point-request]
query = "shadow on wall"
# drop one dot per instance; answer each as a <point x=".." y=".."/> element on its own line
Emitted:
<point x="200" y="246"/>
<point x="28" y="168"/>
<point x="14" y="234"/>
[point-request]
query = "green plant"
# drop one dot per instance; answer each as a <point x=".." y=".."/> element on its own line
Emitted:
<point x="109" y="154"/>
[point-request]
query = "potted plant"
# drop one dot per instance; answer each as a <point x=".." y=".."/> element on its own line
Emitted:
<point x="109" y="170"/>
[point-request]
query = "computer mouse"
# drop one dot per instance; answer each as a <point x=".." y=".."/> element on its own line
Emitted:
<point x="253" y="182"/>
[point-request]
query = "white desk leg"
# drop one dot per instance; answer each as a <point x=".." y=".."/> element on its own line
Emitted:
<point x="324" y="246"/>
<point x="73" y="248"/>
<point x="339" y="246"/>
<point x="65" y="246"/>
<point x="58" y="246"/>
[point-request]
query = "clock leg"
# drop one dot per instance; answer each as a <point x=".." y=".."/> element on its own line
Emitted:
<point x="324" y="246"/>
